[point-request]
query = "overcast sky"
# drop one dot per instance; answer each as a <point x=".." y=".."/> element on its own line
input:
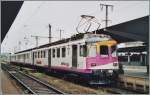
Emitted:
<point x="34" y="17"/>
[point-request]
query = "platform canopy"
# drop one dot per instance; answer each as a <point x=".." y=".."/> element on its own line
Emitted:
<point x="134" y="30"/>
<point x="9" y="11"/>
<point x="133" y="49"/>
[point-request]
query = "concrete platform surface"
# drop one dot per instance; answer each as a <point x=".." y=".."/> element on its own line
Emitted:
<point x="8" y="85"/>
<point x="137" y="71"/>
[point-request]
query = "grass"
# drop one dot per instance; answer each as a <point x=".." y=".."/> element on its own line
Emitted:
<point x="67" y="87"/>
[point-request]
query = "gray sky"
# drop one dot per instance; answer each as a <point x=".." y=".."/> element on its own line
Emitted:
<point x="34" y="17"/>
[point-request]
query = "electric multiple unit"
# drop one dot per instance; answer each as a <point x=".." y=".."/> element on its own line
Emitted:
<point x="83" y="54"/>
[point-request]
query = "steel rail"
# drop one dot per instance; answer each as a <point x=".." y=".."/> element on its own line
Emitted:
<point x="25" y="80"/>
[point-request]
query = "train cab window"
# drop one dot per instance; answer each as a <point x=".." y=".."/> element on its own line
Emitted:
<point x="58" y="52"/>
<point x="92" y="51"/>
<point x="53" y="52"/>
<point x="114" y="51"/>
<point x="83" y="50"/>
<point x="63" y="52"/>
<point x="104" y="51"/>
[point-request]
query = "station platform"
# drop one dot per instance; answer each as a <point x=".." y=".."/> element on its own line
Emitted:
<point x="136" y="71"/>
<point x="135" y="77"/>
<point x="7" y="85"/>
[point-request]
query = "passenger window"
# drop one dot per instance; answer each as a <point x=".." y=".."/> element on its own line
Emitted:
<point x="24" y="56"/>
<point x="68" y="49"/>
<point x="58" y="52"/>
<point x="63" y="52"/>
<point x="28" y="55"/>
<point x="44" y="54"/>
<point x="83" y="50"/>
<point x="38" y="54"/>
<point x="53" y="52"/>
<point x="104" y="51"/>
<point x="35" y="54"/>
<point x="41" y="54"/>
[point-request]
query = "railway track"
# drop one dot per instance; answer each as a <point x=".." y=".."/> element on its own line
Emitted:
<point x="31" y="84"/>
<point x="114" y="89"/>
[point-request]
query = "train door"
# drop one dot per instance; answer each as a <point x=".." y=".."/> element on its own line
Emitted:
<point x="32" y="58"/>
<point x="24" y="57"/>
<point x="49" y="58"/>
<point x="74" y="55"/>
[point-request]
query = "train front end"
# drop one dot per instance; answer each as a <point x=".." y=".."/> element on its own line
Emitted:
<point x="102" y="58"/>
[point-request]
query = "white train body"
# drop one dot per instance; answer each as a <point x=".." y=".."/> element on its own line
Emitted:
<point x="70" y="55"/>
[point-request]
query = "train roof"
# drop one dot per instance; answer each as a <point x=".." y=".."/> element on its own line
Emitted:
<point x="72" y="38"/>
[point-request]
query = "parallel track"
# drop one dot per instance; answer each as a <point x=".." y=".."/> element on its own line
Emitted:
<point x="31" y="84"/>
<point x="115" y="89"/>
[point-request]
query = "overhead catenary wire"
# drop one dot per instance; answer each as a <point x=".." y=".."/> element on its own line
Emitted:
<point x="24" y="25"/>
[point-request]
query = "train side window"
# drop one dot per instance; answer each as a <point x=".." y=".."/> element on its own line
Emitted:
<point x="44" y="54"/>
<point x="63" y="52"/>
<point x="41" y="54"/>
<point x="25" y="56"/>
<point x="53" y="52"/>
<point x="35" y="54"/>
<point x="83" y="50"/>
<point x="68" y="49"/>
<point x="28" y="55"/>
<point x="38" y="54"/>
<point x="104" y="51"/>
<point x="58" y="52"/>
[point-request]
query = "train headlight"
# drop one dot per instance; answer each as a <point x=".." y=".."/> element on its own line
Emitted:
<point x="110" y="71"/>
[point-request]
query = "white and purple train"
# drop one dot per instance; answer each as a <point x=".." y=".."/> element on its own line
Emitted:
<point x="86" y="55"/>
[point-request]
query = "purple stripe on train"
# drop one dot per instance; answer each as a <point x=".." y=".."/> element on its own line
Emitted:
<point x="99" y="60"/>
